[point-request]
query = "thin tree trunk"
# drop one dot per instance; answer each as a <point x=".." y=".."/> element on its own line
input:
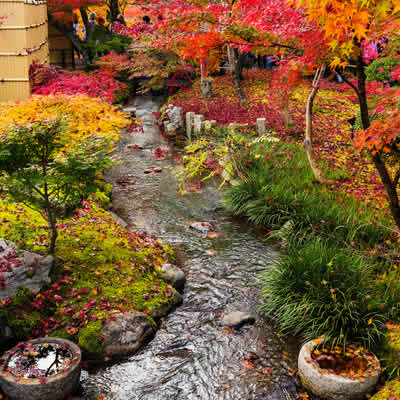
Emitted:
<point x="114" y="10"/>
<point x="308" y="139"/>
<point x="236" y="71"/>
<point x="388" y="183"/>
<point x="84" y="17"/>
<point x="53" y="229"/>
<point x="72" y="37"/>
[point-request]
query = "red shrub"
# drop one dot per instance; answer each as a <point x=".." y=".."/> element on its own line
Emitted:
<point x="101" y="84"/>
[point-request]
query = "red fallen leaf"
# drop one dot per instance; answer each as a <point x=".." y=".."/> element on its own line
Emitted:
<point x="247" y="364"/>
<point x="267" y="370"/>
<point x="100" y="397"/>
<point x="42" y="380"/>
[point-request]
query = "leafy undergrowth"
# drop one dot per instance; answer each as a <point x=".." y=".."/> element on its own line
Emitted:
<point x="334" y="105"/>
<point x="105" y="269"/>
<point x="391" y="391"/>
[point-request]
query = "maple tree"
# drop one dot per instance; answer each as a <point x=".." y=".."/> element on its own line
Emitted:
<point x="348" y="26"/>
<point x="33" y="171"/>
<point x="206" y="33"/>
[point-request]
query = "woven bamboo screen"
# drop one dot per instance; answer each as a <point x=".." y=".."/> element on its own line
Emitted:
<point x="23" y="39"/>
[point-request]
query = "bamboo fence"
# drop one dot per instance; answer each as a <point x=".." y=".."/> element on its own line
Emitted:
<point x="23" y="39"/>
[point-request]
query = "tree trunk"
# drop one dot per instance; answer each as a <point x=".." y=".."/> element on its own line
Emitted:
<point x="72" y="37"/>
<point x="388" y="183"/>
<point x="54" y="233"/>
<point x="308" y="147"/>
<point x="236" y="68"/>
<point x="114" y="10"/>
<point x="84" y="17"/>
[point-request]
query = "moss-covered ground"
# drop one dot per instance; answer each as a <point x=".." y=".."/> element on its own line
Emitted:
<point x="391" y="391"/>
<point x="104" y="268"/>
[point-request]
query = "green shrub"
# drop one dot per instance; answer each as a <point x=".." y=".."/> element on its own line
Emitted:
<point x="380" y="69"/>
<point x="319" y="289"/>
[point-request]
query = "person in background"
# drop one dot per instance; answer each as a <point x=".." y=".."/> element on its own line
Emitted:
<point x="146" y="19"/>
<point x="92" y="18"/>
<point x="76" y="28"/>
<point x="121" y="19"/>
<point x="76" y="25"/>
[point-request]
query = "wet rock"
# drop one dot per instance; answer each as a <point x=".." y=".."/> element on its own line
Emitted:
<point x="237" y="319"/>
<point x="126" y="333"/>
<point x="173" y="275"/>
<point x="202" y="227"/>
<point x="175" y="115"/>
<point x="29" y="270"/>
<point x="161" y="310"/>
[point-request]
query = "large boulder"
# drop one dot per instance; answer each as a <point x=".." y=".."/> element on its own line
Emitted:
<point x="126" y="333"/>
<point x="25" y="270"/>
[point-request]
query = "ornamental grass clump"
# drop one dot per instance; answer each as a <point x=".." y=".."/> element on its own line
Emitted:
<point x="319" y="289"/>
<point x="277" y="186"/>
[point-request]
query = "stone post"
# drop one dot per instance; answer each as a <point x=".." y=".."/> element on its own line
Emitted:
<point x="198" y="124"/>
<point x="189" y="124"/>
<point x="260" y="126"/>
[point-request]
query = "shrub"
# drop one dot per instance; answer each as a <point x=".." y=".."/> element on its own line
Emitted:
<point x="86" y="117"/>
<point x="319" y="289"/>
<point x="381" y="69"/>
<point x="101" y="84"/>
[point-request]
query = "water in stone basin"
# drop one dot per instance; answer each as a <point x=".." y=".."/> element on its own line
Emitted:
<point x="192" y="355"/>
<point x="39" y="360"/>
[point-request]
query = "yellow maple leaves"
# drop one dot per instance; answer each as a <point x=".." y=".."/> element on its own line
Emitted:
<point x="86" y="117"/>
<point x="346" y="22"/>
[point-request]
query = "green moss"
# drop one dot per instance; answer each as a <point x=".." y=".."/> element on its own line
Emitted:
<point x="390" y="354"/>
<point x="170" y="253"/>
<point x="89" y="338"/>
<point x="391" y="391"/>
<point x="105" y="268"/>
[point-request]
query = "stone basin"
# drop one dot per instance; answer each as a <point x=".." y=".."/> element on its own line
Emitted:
<point x="56" y="387"/>
<point x="330" y="386"/>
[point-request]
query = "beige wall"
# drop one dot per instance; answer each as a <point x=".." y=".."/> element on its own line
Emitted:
<point x="23" y="39"/>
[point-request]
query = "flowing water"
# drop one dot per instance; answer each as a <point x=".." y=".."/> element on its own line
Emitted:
<point x="192" y="356"/>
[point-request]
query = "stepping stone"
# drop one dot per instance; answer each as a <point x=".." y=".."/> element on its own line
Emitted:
<point x="237" y="319"/>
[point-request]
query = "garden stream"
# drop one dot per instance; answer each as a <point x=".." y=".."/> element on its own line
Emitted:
<point x="192" y="356"/>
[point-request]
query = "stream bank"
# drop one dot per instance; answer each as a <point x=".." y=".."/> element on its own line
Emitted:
<point x="193" y="356"/>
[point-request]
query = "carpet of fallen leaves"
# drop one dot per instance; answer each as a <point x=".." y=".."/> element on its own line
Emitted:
<point x="334" y="105"/>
